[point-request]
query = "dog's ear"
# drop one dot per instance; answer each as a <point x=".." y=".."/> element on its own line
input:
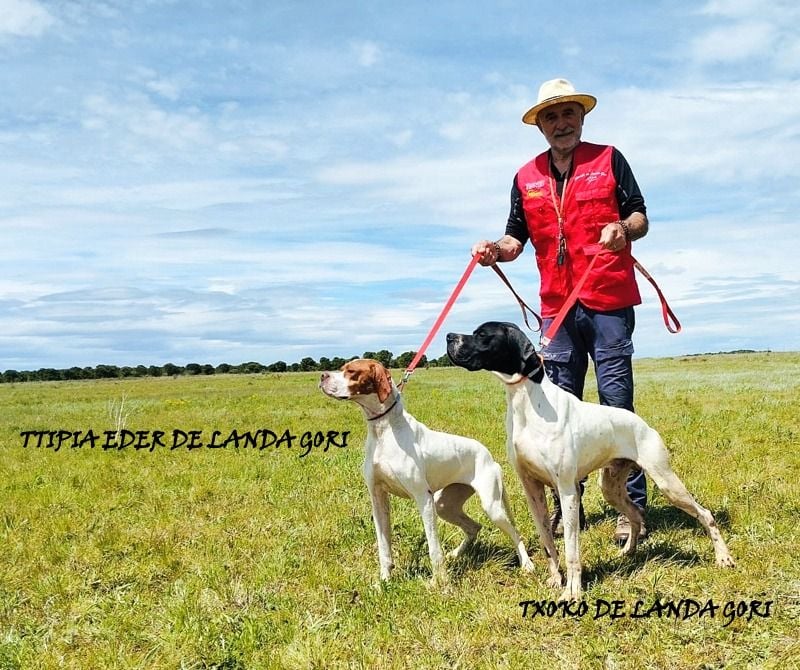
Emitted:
<point x="529" y="359"/>
<point x="383" y="382"/>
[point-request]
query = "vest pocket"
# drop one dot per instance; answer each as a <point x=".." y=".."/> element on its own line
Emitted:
<point x="593" y="207"/>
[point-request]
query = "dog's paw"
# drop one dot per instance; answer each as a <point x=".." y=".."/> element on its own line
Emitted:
<point x="555" y="581"/>
<point x="439" y="581"/>
<point x="726" y="561"/>
<point x="527" y="566"/>
<point x="461" y="548"/>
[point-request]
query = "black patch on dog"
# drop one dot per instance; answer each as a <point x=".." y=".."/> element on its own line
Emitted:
<point x="496" y="346"/>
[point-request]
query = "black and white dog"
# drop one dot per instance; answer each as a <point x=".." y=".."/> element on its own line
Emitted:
<point x="554" y="439"/>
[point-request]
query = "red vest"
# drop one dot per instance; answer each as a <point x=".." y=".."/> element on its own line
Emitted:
<point x="589" y="204"/>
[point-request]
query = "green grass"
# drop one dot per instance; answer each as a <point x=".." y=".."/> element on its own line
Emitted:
<point x="266" y="559"/>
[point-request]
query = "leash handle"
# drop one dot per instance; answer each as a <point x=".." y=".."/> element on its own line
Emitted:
<point x="440" y="319"/>
<point x="522" y="304"/>
<point x="670" y="320"/>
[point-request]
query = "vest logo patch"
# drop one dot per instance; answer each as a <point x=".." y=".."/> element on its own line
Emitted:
<point x="533" y="189"/>
<point x="591" y="176"/>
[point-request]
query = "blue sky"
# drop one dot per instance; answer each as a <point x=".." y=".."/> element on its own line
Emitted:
<point x="231" y="181"/>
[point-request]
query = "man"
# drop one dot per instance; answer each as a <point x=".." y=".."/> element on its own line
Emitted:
<point x="567" y="201"/>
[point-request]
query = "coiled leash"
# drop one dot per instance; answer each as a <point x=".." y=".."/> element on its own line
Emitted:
<point x="670" y="320"/>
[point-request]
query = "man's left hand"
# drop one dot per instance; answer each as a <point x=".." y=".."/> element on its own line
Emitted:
<point x="612" y="237"/>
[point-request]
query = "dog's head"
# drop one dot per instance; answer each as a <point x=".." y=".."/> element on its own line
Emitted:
<point x="499" y="347"/>
<point x="361" y="377"/>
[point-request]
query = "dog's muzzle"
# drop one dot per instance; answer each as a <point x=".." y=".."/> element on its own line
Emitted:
<point x="460" y="351"/>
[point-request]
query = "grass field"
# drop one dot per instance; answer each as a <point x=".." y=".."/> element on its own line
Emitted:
<point x="250" y="558"/>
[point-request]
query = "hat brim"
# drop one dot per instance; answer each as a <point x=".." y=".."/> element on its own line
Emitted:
<point x="584" y="99"/>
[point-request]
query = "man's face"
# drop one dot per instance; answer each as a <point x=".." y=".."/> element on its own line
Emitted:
<point x="561" y="125"/>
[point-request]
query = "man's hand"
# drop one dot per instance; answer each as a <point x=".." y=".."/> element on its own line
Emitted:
<point x="487" y="251"/>
<point x="613" y="237"/>
<point x="507" y="248"/>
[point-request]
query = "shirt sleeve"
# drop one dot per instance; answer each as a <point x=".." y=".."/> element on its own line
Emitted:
<point x="629" y="197"/>
<point x="516" y="226"/>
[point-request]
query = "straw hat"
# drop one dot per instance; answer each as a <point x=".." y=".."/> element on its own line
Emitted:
<point x="554" y="92"/>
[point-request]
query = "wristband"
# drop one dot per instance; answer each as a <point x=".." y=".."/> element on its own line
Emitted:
<point x="496" y="250"/>
<point x="625" y="229"/>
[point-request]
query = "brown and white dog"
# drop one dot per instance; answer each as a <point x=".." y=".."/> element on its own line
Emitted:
<point x="554" y="439"/>
<point x="405" y="458"/>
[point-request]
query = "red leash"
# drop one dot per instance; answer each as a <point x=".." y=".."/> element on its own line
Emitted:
<point x="445" y="310"/>
<point x="596" y="250"/>
<point x="461" y="282"/>
<point x="522" y="304"/>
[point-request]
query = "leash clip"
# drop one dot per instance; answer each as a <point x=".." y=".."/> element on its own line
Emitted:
<point x="406" y="376"/>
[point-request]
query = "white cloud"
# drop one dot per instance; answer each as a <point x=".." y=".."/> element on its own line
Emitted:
<point x="139" y="118"/>
<point x="734" y="133"/>
<point x="24" y="18"/>
<point x="367" y="53"/>
<point x="730" y="44"/>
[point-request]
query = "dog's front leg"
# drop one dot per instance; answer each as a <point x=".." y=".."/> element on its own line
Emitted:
<point x="381" y="517"/>
<point x="570" y="504"/>
<point x="427" y="510"/>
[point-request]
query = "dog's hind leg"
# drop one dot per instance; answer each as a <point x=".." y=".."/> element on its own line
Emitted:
<point x="534" y="493"/>
<point x="613" y="480"/>
<point x="495" y="504"/>
<point x="449" y="506"/>
<point x="427" y="510"/>
<point x="675" y="491"/>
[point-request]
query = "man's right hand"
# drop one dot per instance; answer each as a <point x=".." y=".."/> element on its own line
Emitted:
<point x="487" y="252"/>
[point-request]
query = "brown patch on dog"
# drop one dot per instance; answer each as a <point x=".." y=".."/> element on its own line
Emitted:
<point x="365" y="376"/>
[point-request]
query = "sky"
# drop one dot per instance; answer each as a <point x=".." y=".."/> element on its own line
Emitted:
<point x="221" y="182"/>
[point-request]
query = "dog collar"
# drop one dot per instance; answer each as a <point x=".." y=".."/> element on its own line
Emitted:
<point x="386" y="411"/>
<point x="537" y="374"/>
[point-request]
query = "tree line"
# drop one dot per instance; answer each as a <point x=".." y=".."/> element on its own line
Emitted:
<point x="307" y="364"/>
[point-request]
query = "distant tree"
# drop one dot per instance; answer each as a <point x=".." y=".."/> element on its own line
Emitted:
<point x="337" y="362"/>
<point x="106" y="371"/>
<point x="208" y="369"/>
<point x="141" y="371"/>
<point x="155" y="371"/>
<point x="325" y="364"/>
<point x="252" y="368"/>
<point x="72" y="373"/>
<point x="370" y="354"/>
<point x="172" y="370"/>
<point x="278" y="366"/>
<point x="444" y="361"/>
<point x="48" y="374"/>
<point x="308" y="364"/>
<point x="384" y="357"/>
<point x="223" y="368"/>
<point x="193" y="369"/>
<point x="404" y="360"/>
<point x="13" y="376"/>
<point x="294" y="367"/>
